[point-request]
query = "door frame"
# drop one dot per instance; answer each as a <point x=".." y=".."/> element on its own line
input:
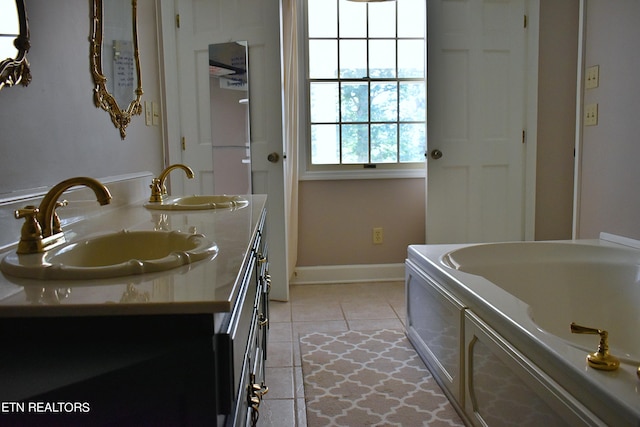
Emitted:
<point x="532" y="8"/>
<point x="270" y="175"/>
<point x="577" y="170"/>
<point x="168" y="58"/>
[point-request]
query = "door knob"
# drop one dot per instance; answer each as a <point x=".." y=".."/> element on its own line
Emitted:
<point x="273" y="157"/>
<point x="436" y="154"/>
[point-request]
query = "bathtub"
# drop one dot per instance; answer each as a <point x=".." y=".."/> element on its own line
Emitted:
<point x="525" y="295"/>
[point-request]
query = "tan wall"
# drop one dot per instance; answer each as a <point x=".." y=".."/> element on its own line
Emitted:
<point x="337" y="218"/>
<point x="340" y="233"/>
<point x="51" y="129"/>
<point x="609" y="196"/>
<point x="557" y="71"/>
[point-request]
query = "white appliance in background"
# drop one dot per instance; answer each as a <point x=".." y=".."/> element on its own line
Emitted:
<point x="230" y="130"/>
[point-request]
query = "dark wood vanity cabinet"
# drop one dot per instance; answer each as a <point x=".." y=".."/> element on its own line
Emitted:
<point x="242" y="343"/>
<point x="148" y="369"/>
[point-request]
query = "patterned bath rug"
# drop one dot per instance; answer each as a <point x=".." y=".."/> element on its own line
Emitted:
<point x="372" y="378"/>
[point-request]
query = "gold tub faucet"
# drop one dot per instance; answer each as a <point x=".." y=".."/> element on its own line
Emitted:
<point x="601" y="358"/>
<point x="158" y="189"/>
<point x="41" y="230"/>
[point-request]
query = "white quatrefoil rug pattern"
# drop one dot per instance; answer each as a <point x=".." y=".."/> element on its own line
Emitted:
<point x="371" y="378"/>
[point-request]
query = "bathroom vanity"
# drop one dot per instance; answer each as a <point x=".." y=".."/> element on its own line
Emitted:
<point x="185" y="346"/>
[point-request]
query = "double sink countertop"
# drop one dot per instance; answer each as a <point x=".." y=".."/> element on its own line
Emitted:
<point x="207" y="286"/>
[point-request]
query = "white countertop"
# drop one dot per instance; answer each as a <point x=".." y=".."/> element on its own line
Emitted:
<point x="207" y="286"/>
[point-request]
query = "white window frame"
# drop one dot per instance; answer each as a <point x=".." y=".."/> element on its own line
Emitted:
<point x="335" y="172"/>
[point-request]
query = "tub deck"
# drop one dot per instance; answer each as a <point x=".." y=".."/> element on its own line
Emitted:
<point x="530" y="292"/>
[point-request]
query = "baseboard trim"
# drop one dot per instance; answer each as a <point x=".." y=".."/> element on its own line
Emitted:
<point x="348" y="274"/>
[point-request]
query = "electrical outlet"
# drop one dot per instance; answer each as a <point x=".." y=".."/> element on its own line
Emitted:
<point x="377" y="235"/>
<point x="591" y="114"/>
<point x="592" y="77"/>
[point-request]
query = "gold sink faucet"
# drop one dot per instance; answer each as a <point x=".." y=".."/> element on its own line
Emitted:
<point x="158" y="189"/>
<point x="41" y="230"/>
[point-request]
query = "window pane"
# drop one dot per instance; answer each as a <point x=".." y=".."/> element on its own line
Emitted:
<point x="355" y="102"/>
<point x="382" y="58"/>
<point x="322" y="18"/>
<point x="353" y="59"/>
<point x="411" y="58"/>
<point x="411" y="18"/>
<point x="384" y="143"/>
<point x="355" y="144"/>
<point x="413" y="142"/>
<point x="367" y="88"/>
<point x="325" y="144"/>
<point x="353" y="19"/>
<point x="7" y="49"/>
<point x="413" y="102"/>
<point x="384" y="102"/>
<point x="323" y="59"/>
<point x="10" y="20"/>
<point x="382" y="19"/>
<point x="324" y="102"/>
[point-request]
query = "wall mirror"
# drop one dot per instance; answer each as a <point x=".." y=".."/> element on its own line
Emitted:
<point x="230" y="133"/>
<point x="14" y="44"/>
<point x="115" y="62"/>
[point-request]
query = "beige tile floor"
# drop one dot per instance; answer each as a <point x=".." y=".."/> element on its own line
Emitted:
<point x="319" y="308"/>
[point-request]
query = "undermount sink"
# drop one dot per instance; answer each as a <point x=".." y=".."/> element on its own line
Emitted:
<point x="198" y="202"/>
<point x="117" y="254"/>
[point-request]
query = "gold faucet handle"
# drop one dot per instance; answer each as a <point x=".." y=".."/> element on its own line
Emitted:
<point x="57" y="227"/>
<point x="600" y="359"/>
<point x="26" y="212"/>
<point x="31" y="233"/>
<point x="156" y="190"/>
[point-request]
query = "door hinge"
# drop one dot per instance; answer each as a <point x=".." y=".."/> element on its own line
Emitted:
<point x="177" y="20"/>
<point x="525" y="21"/>
<point x="524" y="136"/>
<point x="183" y="143"/>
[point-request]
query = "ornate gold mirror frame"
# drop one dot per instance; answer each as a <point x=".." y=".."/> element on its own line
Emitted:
<point x="16" y="70"/>
<point x="103" y="98"/>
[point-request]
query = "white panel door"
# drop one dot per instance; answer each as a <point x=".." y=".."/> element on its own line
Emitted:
<point x="185" y="78"/>
<point x="476" y="104"/>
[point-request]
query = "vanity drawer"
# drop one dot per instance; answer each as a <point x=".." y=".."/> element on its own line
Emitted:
<point x="252" y="373"/>
<point x="231" y="342"/>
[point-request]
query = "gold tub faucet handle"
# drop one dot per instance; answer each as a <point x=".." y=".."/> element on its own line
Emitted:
<point x="601" y="358"/>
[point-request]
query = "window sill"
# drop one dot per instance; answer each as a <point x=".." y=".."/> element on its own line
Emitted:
<point x="332" y="175"/>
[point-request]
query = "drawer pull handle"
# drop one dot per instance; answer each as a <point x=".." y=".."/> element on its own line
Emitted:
<point x="267" y="278"/>
<point x="256" y="391"/>
<point x="262" y="321"/>
<point x="260" y="390"/>
<point x="255" y="411"/>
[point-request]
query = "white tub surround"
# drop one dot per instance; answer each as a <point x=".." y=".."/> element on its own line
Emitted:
<point x="492" y="322"/>
<point x="189" y="339"/>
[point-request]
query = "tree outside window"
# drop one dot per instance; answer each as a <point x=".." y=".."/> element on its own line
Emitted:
<point x="367" y="82"/>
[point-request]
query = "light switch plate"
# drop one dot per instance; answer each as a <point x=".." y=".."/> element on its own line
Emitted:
<point x="147" y="113"/>
<point x="156" y="113"/>
<point x="591" y="114"/>
<point x="592" y="77"/>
